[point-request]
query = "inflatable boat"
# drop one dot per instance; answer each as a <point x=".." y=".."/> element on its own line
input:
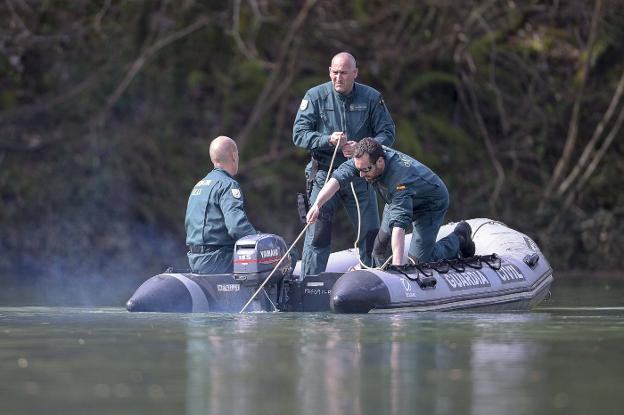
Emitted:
<point x="507" y="273"/>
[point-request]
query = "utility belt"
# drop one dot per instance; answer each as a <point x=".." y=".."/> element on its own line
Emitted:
<point x="202" y="249"/>
<point x="319" y="165"/>
<point x="303" y="199"/>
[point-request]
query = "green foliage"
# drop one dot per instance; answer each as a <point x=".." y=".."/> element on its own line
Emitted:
<point x="103" y="173"/>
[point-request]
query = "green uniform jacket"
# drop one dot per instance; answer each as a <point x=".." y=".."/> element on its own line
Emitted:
<point x="323" y="111"/>
<point x="408" y="187"/>
<point x="215" y="219"/>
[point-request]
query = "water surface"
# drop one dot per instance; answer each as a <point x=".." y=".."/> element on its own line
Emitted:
<point x="566" y="357"/>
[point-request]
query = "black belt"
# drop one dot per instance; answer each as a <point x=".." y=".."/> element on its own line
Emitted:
<point x="320" y="164"/>
<point x="202" y="249"/>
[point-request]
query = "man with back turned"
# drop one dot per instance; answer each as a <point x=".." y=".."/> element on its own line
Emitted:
<point x="215" y="214"/>
<point x="339" y="113"/>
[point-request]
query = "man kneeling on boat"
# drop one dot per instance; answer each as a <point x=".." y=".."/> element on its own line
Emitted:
<point x="215" y="214"/>
<point x="413" y="194"/>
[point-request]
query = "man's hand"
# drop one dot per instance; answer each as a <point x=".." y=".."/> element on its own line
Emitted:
<point x="312" y="214"/>
<point x="338" y="138"/>
<point x="349" y="149"/>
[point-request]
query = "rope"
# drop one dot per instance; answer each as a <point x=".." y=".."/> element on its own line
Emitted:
<point x="359" y="226"/>
<point x="490" y="222"/>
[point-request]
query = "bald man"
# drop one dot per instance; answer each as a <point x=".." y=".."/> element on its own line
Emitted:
<point x="340" y="113"/>
<point x="215" y="214"/>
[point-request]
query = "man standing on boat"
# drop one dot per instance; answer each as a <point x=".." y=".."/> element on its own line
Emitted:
<point x="414" y="195"/>
<point x="339" y="113"/>
<point x="215" y="214"/>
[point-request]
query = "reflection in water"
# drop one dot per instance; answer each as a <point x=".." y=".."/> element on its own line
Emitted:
<point x="61" y="361"/>
<point x="349" y="364"/>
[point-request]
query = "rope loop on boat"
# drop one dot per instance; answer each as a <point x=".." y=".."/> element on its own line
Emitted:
<point x="446" y="265"/>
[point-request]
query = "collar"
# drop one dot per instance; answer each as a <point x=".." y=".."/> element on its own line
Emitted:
<point x="219" y="169"/>
<point x="347" y="97"/>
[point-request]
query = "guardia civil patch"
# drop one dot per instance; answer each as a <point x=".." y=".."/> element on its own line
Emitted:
<point x="304" y="104"/>
<point x="236" y="193"/>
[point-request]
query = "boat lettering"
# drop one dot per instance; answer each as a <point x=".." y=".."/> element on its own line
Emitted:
<point x="316" y="291"/>
<point x="228" y="287"/>
<point x="466" y="280"/>
<point x="268" y="253"/>
<point x="509" y="273"/>
<point x="408" y="288"/>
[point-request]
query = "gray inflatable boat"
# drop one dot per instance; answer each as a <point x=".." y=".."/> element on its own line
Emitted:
<point x="507" y="273"/>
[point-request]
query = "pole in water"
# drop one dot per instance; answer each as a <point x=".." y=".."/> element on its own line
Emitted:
<point x="272" y="272"/>
<point x="292" y="245"/>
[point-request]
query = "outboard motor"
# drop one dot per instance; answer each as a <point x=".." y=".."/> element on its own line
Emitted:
<point x="255" y="256"/>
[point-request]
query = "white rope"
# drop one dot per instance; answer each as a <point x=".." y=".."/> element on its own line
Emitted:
<point x="359" y="225"/>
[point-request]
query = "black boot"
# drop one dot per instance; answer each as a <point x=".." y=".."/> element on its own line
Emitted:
<point x="466" y="244"/>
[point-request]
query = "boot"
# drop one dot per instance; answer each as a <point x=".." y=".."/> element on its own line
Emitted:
<point x="466" y="244"/>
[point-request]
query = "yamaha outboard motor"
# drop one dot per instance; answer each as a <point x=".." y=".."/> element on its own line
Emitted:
<point x="255" y="256"/>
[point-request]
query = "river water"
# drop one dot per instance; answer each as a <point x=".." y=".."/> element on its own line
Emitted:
<point x="566" y="357"/>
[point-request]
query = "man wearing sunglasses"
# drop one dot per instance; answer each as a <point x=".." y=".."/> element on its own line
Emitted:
<point x="339" y="113"/>
<point x="414" y="195"/>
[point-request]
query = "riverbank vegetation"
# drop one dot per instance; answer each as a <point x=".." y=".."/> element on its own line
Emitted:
<point x="107" y="109"/>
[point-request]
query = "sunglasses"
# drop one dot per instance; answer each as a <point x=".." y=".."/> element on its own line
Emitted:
<point x="366" y="169"/>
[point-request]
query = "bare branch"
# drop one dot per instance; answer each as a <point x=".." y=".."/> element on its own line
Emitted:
<point x="269" y="94"/>
<point x="589" y="148"/>
<point x="140" y="61"/>
<point x="97" y="21"/>
<point x="596" y="159"/>
<point x="24" y="112"/>
<point x="16" y="18"/>
<point x="500" y="172"/>
<point x="250" y="54"/>
<point x="566" y="156"/>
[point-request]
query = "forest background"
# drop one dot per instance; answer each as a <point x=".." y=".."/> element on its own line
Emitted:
<point x="107" y="109"/>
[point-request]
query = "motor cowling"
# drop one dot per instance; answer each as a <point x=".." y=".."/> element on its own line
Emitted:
<point x="255" y="256"/>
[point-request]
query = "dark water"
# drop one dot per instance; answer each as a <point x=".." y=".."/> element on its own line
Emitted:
<point x="566" y="357"/>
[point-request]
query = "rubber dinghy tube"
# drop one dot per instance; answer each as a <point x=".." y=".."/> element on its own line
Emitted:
<point x="358" y="292"/>
<point x="172" y="293"/>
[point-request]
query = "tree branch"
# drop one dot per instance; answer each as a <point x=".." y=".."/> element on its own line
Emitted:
<point x="596" y="159"/>
<point x="269" y="94"/>
<point x="590" y="147"/>
<point x="566" y="155"/>
<point x="137" y="65"/>
<point x="27" y="111"/>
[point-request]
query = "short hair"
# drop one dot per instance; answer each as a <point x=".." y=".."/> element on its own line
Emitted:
<point x="371" y="147"/>
<point x="345" y="55"/>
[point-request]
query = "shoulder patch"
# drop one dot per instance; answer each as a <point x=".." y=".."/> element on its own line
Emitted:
<point x="304" y="104"/>
<point x="401" y="187"/>
<point x="236" y="193"/>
